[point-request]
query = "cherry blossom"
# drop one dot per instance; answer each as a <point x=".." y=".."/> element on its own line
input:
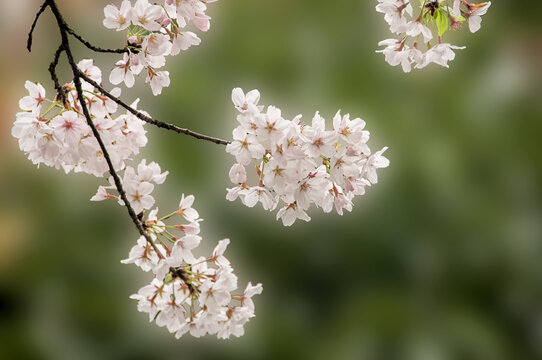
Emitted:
<point x="60" y="137"/>
<point x="474" y="13"/>
<point x="137" y="185"/>
<point x="440" y="54"/>
<point x="297" y="165"/>
<point x="420" y="38"/>
<point x="124" y="71"/>
<point x="118" y="19"/>
<point x="186" y="210"/>
<point x="36" y="96"/>
<point x="189" y="294"/>
<point x="154" y="31"/>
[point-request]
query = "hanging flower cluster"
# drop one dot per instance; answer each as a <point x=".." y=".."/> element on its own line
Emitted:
<point x="298" y="165"/>
<point x="154" y="32"/>
<point x="420" y="38"/>
<point x="189" y="294"/>
<point x="56" y="134"/>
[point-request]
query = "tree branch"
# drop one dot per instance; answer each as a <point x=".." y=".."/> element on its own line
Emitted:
<point x="41" y="10"/>
<point x="92" y="47"/>
<point x="61" y="93"/>
<point x="150" y="120"/>
<point x="65" y="46"/>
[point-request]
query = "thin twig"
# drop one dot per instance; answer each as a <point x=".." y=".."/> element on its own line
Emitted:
<point x="52" y="70"/>
<point x="150" y="120"/>
<point x="77" y="80"/>
<point x="41" y="10"/>
<point x="92" y="47"/>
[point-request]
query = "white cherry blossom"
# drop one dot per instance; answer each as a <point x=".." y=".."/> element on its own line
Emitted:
<point x="124" y="71"/>
<point x="298" y="165"/>
<point x="190" y="294"/>
<point x="155" y="31"/>
<point x="420" y="34"/>
<point x="186" y="210"/>
<point x="36" y="96"/>
<point x="118" y="19"/>
<point x="440" y="54"/>
<point x="474" y="14"/>
<point x="182" y="249"/>
<point x="415" y="28"/>
<point x="158" y="80"/>
<point x="145" y="15"/>
<point x="241" y="101"/>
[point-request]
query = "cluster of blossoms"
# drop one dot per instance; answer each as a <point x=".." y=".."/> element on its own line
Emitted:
<point x="188" y="293"/>
<point x="154" y="32"/>
<point x="138" y="186"/>
<point x="59" y="136"/>
<point x="417" y="44"/>
<point x="299" y="164"/>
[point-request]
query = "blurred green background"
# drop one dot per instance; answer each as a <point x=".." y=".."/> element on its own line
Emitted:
<point x="441" y="260"/>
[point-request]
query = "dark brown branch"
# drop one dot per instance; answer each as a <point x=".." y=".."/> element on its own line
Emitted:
<point x="41" y="10"/>
<point x="150" y="120"/>
<point x="77" y="80"/>
<point x="61" y="93"/>
<point x="92" y="47"/>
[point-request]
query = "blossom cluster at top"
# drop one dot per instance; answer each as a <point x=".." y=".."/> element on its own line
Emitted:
<point x="298" y="165"/>
<point x="154" y="32"/>
<point x="188" y="293"/>
<point x="420" y="38"/>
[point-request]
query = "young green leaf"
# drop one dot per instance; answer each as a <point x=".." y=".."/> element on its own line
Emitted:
<point x="442" y="21"/>
<point x="138" y="31"/>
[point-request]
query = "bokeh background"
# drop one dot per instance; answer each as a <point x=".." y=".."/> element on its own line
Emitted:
<point x="441" y="260"/>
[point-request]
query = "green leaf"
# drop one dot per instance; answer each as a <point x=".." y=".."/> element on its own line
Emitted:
<point x="138" y="31"/>
<point x="442" y="21"/>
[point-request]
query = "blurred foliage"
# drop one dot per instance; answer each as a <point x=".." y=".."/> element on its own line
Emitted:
<point x="441" y="260"/>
